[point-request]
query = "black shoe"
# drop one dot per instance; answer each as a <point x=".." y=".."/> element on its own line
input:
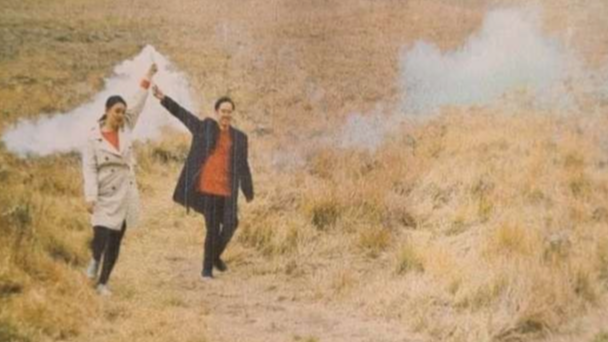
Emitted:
<point x="220" y="265"/>
<point x="207" y="275"/>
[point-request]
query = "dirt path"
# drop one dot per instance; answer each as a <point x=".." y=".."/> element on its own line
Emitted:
<point x="258" y="311"/>
<point x="159" y="295"/>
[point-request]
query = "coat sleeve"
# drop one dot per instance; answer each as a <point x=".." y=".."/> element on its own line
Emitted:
<point x="246" y="180"/>
<point x="89" y="171"/>
<point x="188" y="119"/>
<point x="133" y="112"/>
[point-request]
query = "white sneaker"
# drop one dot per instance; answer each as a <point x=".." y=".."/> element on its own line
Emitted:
<point x="92" y="269"/>
<point x="104" y="290"/>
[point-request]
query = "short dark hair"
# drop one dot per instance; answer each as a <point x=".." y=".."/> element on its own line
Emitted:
<point x="223" y="99"/>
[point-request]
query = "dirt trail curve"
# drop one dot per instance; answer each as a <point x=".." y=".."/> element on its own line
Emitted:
<point x="159" y="295"/>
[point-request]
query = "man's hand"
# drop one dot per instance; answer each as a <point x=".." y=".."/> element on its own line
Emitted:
<point x="90" y="207"/>
<point x="157" y="92"/>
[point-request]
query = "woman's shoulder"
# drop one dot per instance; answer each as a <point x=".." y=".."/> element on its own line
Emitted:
<point x="93" y="133"/>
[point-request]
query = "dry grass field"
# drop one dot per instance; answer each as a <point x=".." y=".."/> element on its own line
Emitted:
<point x="475" y="224"/>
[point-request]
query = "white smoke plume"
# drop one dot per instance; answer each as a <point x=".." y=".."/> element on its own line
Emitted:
<point x="509" y="53"/>
<point x="65" y="132"/>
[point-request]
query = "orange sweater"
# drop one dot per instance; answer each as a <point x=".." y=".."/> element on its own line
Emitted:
<point x="214" y="178"/>
<point x="112" y="138"/>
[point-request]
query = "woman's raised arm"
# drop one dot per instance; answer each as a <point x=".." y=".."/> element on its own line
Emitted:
<point x="139" y="100"/>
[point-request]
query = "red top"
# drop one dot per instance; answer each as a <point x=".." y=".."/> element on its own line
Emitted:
<point x="112" y="138"/>
<point x="214" y="177"/>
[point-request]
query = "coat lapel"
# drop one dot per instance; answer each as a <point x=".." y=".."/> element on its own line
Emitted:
<point x="235" y="143"/>
<point x="233" y="138"/>
<point x="124" y="140"/>
<point x="104" y="144"/>
<point x="234" y="159"/>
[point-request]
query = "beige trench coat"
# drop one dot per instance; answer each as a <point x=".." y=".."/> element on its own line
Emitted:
<point x="109" y="174"/>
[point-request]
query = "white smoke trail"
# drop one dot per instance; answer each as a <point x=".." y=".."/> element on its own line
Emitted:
<point x="509" y="53"/>
<point x="65" y="132"/>
<point x="365" y="132"/>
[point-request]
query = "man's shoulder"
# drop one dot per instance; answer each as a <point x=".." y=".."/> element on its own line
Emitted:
<point x="206" y="125"/>
<point x="239" y="133"/>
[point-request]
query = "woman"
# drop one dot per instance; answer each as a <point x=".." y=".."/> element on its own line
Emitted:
<point x="109" y="180"/>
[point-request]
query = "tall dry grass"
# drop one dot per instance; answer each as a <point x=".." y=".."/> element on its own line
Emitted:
<point x="44" y="241"/>
<point x="491" y="227"/>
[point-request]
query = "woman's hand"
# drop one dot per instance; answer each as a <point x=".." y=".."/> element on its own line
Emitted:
<point x="152" y="71"/>
<point x="157" y="92"/>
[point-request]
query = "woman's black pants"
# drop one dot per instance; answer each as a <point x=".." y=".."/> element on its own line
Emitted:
<point x="106" y="243"/>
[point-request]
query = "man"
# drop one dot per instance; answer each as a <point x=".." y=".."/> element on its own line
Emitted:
<point x="215" y="169"/>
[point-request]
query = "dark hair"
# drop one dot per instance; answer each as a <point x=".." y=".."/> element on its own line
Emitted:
<point x="223" y="99"/>
<point x="110" y="102"/>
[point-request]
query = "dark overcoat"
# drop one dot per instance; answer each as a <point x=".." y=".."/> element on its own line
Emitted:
<point x="204" y="137"/>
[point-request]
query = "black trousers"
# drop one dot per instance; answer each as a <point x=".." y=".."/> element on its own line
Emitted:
<point x="218" y="234"/>
<point x="106" y="242"/>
